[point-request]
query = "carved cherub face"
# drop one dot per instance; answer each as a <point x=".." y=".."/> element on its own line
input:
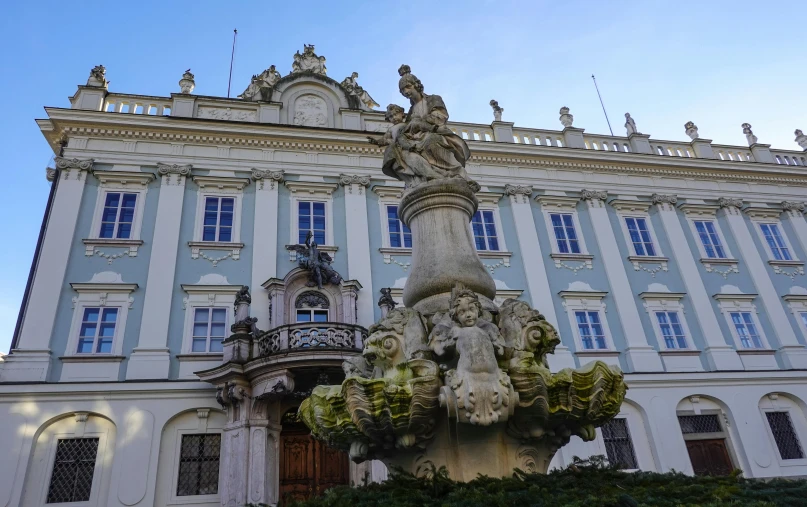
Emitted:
<point x="466" y="311"/>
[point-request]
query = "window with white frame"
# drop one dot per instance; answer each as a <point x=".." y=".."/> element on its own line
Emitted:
<point x="209" y="329"/>
<point x="667" y="317"/>
<point x="640" y="236"/>
<point x="566" y="237"/>
<point x="100" y="312"/>
<point x="399" y="235"/>
<point x="311" y="211"/>
<point x="483" y="225"/>
<point x="312" y="306"/>
<point x="776" y="242"/>
<point x="218" y="219"/>
<point x="118" y="209"/>
<point x="710" y="239"/>
<point x="311" y="218"/>
<point x="586" y="311"/>
<point x="208" y="308"/>
<point x="741" y="315"/>
<point x="218" y="211"/>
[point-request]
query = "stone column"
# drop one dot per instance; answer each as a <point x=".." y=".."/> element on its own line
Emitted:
<point x="534" y="267"/>
<point x="150" y="359"/>
<point x="792" y="354"/>
<point x="719" y="355"/>
<point x="639" y="354"/>
<point x="264" y="241"/>
<point x="31" y="357"/>
<point x="264" y="438"/>
<point x="358" y="241"/>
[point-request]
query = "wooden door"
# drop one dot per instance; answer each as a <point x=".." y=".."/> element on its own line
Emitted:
<point x="709" y="457"/>
<point x="308" y="467"/>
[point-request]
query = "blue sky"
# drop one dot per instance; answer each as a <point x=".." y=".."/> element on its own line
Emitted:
<point x="717" y="63"/>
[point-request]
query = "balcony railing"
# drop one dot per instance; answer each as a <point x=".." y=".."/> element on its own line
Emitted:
<point x="310" y="336"/>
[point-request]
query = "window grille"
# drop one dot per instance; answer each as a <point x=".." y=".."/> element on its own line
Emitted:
<point x="710" y="239"/>
<point x="218" y="219"/>
<point x="73" y="468"/>
<point x="591" y="331"/>
<point x="565" y="234"/>
<point x="399" y="234"/>
<point x="199" y="465"/>
<point x="672" y="330"/>
<point x="640" y="236"/>
<point x="484" y="228"/>
<point x="746" y="330"/>
<point x="118" y="215"/>
<point x="706" y="423"/>
<point x="311" y="217"/>
<point x="618" y="444"/>
<point x="776" y="242"/>
<point x="785" y="435"/>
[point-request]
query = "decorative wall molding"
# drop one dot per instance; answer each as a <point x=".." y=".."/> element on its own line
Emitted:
<point x="198" y="247"/>
<point x="312" y="188"/>
<point x="731" y="205"/>
<point x="790" y="269"/>
<point x="122" y="179"/>
<point x="640" y="264"/>
<point x="664" y="201"/>
<point x="630" y="205"/>
<point x="221" y="185"/>
<point x="388" y="192"/>
<point x="730" y="266"/>
<point x="584" y="260"/>
<point x="73" y="168"/>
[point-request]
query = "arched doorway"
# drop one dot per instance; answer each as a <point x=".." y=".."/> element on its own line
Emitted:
<point x="307" y="466"/>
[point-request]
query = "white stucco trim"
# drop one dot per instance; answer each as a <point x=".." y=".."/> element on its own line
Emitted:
<point x="230" y="187"/>
<point x="757" y="222"/>
<point x="206" y="296"/>
<point x="775" y="403"/>
<point x="741" y="303"/>
<point x="119" y="182"/>
<point x="566" y="205"/>
<point x="666" y="302"/>
<point x="202" y="427"/>
<point x="589" y="302"/>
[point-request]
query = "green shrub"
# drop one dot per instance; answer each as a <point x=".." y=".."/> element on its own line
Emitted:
<point x="589" y="483"/>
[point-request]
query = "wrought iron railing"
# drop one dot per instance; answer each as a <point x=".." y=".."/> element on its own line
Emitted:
<point x="310" y="335"/>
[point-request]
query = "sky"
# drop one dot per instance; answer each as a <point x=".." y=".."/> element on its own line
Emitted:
<point x="718" y="63"/>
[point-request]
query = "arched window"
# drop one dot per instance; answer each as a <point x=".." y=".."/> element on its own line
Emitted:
<point x="312" y="306"/>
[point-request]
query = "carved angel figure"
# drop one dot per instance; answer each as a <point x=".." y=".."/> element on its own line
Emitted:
<point x="317" y="263"/>
<point x="394" y="115"/>
<point x="97" y="76"/>
<point x="260" y="86"/>
<point x="481" y="387"/>
<point x="424" y="148"/>
<point x="353" y="88"/>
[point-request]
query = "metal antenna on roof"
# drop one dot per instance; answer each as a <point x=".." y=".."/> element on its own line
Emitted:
<point x="232" y="57"/>
<point x="603" y="105"/>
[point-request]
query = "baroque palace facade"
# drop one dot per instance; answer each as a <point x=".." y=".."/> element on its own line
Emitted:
<point x="680" y="262"/>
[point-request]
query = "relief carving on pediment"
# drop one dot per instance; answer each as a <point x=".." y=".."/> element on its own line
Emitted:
<point x="310" y="111"/>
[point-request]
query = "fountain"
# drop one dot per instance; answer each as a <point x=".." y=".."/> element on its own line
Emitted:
<point x="453" y="379"/>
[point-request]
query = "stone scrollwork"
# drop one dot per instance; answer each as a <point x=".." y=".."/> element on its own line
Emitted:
<point x="730" y="202"/>
<point x="522" y="191"/>
<point x="82" y="164"/>
<point x="593" y="195"/>
<point x="664" y="199"/>
<point x="166" y="169"/>
<point x="348" y="180"/>
<point x="272" y="177"/>
<point x="312" y="299"/>
<point x="793" y="206"/>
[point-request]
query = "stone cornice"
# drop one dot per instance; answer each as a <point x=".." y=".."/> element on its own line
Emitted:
<point x="388" y="192"/>
<point x="311" y="187"/>
<point x="489" y="199"/>
<point x="557" y="201"/>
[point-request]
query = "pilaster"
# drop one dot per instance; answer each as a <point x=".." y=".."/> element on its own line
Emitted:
<point x="502" y="131"/>
<point x="358" y="240"/>
<point x="264" y="240"/>
<point x="151" y="358"/>
<point x="792" y="354"/>
<point x="30" y="360"/>
<point x="639" y="354"/>
<point x="534" y="267"/>
<point x="719" y="355"/>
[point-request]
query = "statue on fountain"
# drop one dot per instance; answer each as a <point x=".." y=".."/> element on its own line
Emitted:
<point x="452" y="378"/>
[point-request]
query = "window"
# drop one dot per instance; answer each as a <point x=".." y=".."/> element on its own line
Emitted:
<point x="311" y="217"/>
<point x="704" y="423"/>
<point x="218" y="219"/>
<point x="118" y="215"/>
<point x="746" y="330"/>
<point x="399" y="234"/>
<point x="785" y="435"/>
<point x="199" y="464"/>
<point x="309" y="315"/>
<point x="97" y="330"/>
<point x="640" y="236"/>
<point x="312" y="306"/>
<point x="710" y="240"/>
<point x="591" y="331"/>
<point x="618" y="444"/>
<point x="209" y="329"/>
<point x="484" y="229"/>
<point x="565" y="234"/>
<point x="671" y="330"/>
<point x="776" y="242"/>
<point x="73" y="470"/>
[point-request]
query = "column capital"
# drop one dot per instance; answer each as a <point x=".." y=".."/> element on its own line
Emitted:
<point x="50" y="174"/>
<point x="73" y="166"/>
<point x="731" y="204"/>
<point x="665" y="202"/>
<point x="519" y="193"/>
<point x="262" y="177"/>
<point x="594" y="198"/>
<point x="348" y="180"/>
<point x="793" y="209"/>
<point x="174" y="174"/>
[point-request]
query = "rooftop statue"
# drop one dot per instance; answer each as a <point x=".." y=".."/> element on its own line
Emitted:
<point x="98" y="76"/>
<point x="317" y="263"/>
<point x="421" y="147"/>
<point x="353" y="88"/>
<point x="497" y="110"/>
<point x="260" y="86"/>
<point x="308" y="61"/>
<point x="630" y="125"/>
<point x="187" y="83"/>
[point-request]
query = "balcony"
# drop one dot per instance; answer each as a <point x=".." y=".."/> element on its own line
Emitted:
<point x="310" y="336"/>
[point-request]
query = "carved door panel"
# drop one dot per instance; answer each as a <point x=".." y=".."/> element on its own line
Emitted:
<point x="297" y="479"/>
<point x="332" y="467"/>
<point x="709" y="457"/>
